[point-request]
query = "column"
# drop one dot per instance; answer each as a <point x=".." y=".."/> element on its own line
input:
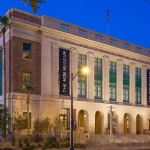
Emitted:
<point x="119" y="80"/>
<point x="90" y="79"/>
<point x="74" y="69"/>
<point x="144" y="85"/>
<point x="55" y="69"/>
<point x="46" y="68"/>
<point x="132" y="83"/>
<point x="105" y="78"/>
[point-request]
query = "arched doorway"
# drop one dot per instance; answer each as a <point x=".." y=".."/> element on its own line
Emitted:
<point x="98" y="122"/>
<point x="64" y="117"/>
<point x="82" y="118"/>
<point x="126" y="124"/>
<point x="138" y="124"/>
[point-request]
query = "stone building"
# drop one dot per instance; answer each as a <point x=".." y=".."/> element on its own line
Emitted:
<point x="43" y="52"/>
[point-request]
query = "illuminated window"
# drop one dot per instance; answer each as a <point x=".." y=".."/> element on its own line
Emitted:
<point x="25" y="116"/>
<point x="112" y="67"/>
<point x="112" y="92"/>
<point x="138" y="95"/>
<point x="125" y="71"/>
<point x="138" y="73"/>
<point x="27" y="78"/>
<point x="64" y="117"/>
<point x="126" y="93"/>
<point x="26" y="50"/>
<point x="82" y="79"/>
<point x="98" y="65"/>
<point x="98" y="90"/>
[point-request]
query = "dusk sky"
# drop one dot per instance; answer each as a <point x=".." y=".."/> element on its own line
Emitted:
<point x="129" y="19"/>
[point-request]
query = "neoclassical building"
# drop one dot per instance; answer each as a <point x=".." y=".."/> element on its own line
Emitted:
<point x="43" y="52"/>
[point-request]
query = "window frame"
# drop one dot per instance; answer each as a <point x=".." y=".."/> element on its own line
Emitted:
<point x="23" y="50"/>
<point x="30" y="82"/>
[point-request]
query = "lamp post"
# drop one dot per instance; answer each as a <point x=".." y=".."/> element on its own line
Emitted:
<point x="84" y="70"/>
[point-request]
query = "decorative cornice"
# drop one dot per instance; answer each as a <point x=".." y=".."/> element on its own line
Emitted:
<point x="90" y="53"/>
<point x="73" y="49"/>
<point x="106" y="57"/>
<point x="132" y="64"/>
<point x="144" y="67"/>
<point x="120" y="61"/>
<point x="104" y="51"/>
<point x="55" y="45"/>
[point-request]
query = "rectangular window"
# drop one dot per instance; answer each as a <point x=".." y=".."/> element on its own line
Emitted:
<point x="82" y="32"/>
<point x="27" y="78"/>
<point x="138" y="95"/>
<point x="112" y="41"/>
<point x="64" y="26"/>
<point x="112" y="92"/>
<point x="125" y="71"/>
<point x="81" y="60"/>
<point x="82" y="79"/>
<point x="98" y="37"/>
<point x="98" y="90"/>
<point x="138" y="73"/>
<point x="138" y="49"/>
<point x="26" y="50"/>
<point x="112" y="67"/>
<point x="98" y="65"/>
<point x="25" y="115"/>
<point x="126" y="45"/>
<point x="126" y="94"/>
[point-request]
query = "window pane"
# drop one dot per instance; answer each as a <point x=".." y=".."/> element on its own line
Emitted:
<point x="27" y="78"/>
<point x="27" y="50"/>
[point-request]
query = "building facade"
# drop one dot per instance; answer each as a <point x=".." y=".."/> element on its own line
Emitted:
<point x="43" y="52"/>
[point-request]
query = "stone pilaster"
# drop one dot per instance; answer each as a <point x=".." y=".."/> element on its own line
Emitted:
<point x="119" y="80"/>
<point x="46" y="68"/>
<point x="105" y="78"/>
<point x="90" y="76"/>
<point x="74" y="69"/>
<point x="144" y="85"/>
<point x="55" y="69"/>
<point x="132" y="83"/>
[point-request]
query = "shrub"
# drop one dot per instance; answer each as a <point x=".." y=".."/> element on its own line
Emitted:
<point x="7" y="148"/>
<point x="20" y="143"/>
<point x="79" y="145"/>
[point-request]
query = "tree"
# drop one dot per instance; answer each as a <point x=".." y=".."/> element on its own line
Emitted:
<point x="3" y="27"/>
<point x="59" y="127"/>
<point x="28" y="89"/>
<point x="34" y="4"/>
<point x="19" y="122"/>
<point x="4" y="123"/>
<point x="42" y="126"/>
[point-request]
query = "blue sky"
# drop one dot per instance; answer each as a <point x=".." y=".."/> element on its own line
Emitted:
<point x="129" y="19"/>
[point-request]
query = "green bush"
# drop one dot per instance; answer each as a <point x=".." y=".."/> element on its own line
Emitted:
<point x="7" y="148"/>
<point x="20" y="143"/>
<point x="64" y="145"/>
<point x="79" y="145"/>
<point x="51" y="143"/>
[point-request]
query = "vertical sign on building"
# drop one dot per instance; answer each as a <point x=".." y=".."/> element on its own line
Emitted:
<point x="64" y="71"/>
<point x="148" y="87"/>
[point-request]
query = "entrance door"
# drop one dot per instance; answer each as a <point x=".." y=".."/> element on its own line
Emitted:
<point x="126" y="124"/>
<point x="97" y="123"/>
<point x="138" y="124"/>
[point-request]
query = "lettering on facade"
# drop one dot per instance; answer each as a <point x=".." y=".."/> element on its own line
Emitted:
<point x="64" y="65"/>
<point x="148" y="87"/>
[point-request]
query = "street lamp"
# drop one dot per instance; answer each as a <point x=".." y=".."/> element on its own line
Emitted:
<point x="85" y="71"/>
